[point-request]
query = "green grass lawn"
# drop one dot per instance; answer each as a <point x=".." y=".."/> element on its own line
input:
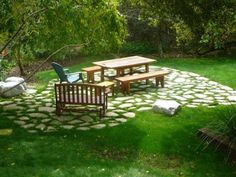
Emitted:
<point x="149" y="145"/>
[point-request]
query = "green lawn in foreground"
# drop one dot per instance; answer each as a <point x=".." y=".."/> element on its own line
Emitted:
<point x="149" y="145"/>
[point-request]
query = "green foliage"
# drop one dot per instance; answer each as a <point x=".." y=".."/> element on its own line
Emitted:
<point x="138" y="48"/>
<point x="226" y="122"/>
<point x="5" y="66"/>
<point x="209" y="23"/>
<point x="96" y="26"/>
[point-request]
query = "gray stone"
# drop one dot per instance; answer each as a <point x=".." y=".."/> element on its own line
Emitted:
<point x="188" y="96"/>
<point x="32" y="131"/>
<point x="200" y="95"/>
<point x="46" y="120"/>
<point x="144" y="109"/>
<point x="126" y="105"/>
<point x="38" y="115"/>
<point x="179" y="80"/>
<point x="168" y="107"/>
<point x="11" y="107"/>
<point x="116" y="102"/>
<point x="27" y="126"/>
<point x="9" y="89"/>
<point x="24" y="118"/>
<point x="121" y="120"/>
<point x="75" y="122"/>
<point x="86" y="118"/>
<point x="68" y="127"/>
<point x="141" y="104"/>
<point x="83" y="128"/>
<point x="113" y="124"/>
<point x="46" y="109"/>
<point x="20" y="122"/>
<point x="130" y="101"/>
<point x="111" y="114"/>
<point x="123" y="98"/>
<point x="98" y="126"/>
<point x="119" y="110"/>
<point x="111" y="108"/>
<point x="129" y="115"/>
<point x="232" y="98"/>
<point x="5" y="102"/>
<point x="55" y="122"/>
<point x="41" y="126"/>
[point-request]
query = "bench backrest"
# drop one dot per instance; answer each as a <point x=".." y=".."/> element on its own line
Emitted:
<point x="60" y="71"/>
<point x="87" y="94"/>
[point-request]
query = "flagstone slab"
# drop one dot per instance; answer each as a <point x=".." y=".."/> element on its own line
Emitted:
<point x="144" y="109"/>
<point x="47" y="109"/>
<point x="83" y="128"/>
<point x="38" y="115"/>
<point x="232" y="98"/>
<point x="98" y="126"/>
<point x="129" y="115"/>
<point x="111" y="114"/>
<point x="41" y="126"/>
<point x="126" y="105"/>
<point x="12" y="107"/>
<point x="86" y="118"/>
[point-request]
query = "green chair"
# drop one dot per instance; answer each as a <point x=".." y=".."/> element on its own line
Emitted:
<point x="64" y="74"/>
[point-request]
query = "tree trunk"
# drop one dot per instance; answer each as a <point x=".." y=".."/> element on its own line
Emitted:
<point x="160" y="44"/>
<point x="19" y="62"/>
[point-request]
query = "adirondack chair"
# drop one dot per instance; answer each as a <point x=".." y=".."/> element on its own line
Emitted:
<point x="64" y="74"/>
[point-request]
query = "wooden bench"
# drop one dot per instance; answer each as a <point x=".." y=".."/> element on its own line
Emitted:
<point x="125" y="81"/>
<point x="80" y="94"/>
<point x="90" y="72"/>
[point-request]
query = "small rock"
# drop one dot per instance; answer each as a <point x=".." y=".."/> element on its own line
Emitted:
<point x="168" y="107"/>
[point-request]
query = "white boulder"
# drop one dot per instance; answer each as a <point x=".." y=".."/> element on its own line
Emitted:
<point x="168" y="107"/>
<point x="11" y="82"/>
<point x="16" y="79"/>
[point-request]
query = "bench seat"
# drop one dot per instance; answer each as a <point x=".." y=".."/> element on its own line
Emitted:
<point x="125" y="81"/>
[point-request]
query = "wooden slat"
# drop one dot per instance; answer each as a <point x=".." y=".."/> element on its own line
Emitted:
<point x="81" y="94"/>
<point x="142" y="76"/>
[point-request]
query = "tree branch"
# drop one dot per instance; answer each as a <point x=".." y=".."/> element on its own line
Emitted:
<point x="21" y="27"/>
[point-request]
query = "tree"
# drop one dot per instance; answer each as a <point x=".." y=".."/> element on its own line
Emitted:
<point x="200" y="24"/>
<point x="47" y="25"/>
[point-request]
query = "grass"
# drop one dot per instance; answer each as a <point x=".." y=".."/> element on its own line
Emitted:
<point x="149" y="145"/>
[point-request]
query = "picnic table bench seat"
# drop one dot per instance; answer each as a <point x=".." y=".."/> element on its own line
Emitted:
<point x="82" y="95"/>
<point x="125" y="81"/>
<point x="90" y="72"/>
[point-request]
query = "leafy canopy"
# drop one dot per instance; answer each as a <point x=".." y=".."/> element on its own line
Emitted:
<point x="51" y="24"/>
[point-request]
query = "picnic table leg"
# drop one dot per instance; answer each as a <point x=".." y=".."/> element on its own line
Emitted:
<point x="102" y="74"/>
<point x="131" y="70"/>
<point x="146" y="70"/>
<point x="128" y="87"/>
<point x="162" y="81"/>
<point x="157" y="81"/>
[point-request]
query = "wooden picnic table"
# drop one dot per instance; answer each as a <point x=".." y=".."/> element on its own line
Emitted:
<point x="121" y="64"/>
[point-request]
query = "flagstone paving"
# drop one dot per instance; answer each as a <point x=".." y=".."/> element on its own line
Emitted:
<point x="35" y="112"/>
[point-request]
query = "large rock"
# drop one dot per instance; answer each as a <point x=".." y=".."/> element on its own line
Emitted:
<point x="19" y="89"/>
<point x="16" y="79"/>
<point x="168" y="107"/>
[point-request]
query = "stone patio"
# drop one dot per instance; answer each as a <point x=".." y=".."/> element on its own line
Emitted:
<point x="35" y="111"/>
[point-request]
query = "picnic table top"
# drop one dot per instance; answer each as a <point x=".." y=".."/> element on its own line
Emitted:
<point x="124" y="62"/>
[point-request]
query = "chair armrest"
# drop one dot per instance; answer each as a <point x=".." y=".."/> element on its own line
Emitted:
<point x="66" y="70"/>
